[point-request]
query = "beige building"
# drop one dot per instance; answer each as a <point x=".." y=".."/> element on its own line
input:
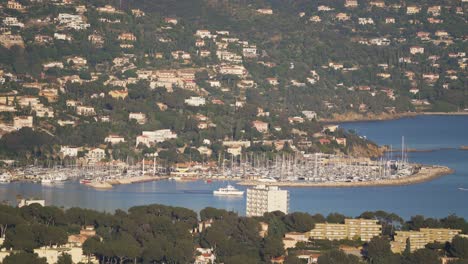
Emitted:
<point x="22" y="121"/>
<point x="419" y="239"/>
<point x="364" y="229"/>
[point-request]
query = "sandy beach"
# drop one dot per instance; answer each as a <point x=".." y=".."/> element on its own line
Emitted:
<point x="426" y="173"/>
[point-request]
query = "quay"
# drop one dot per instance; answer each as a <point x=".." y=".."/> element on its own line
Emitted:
<point x="426" y="173"/>
<point x="109" y="184"/>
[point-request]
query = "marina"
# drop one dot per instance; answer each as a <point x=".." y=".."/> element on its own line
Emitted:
<point x="435" y="197"/>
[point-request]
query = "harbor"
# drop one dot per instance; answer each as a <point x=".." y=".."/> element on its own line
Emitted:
<point x="293" y="170"/>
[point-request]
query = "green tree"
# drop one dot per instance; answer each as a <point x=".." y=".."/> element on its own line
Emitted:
<point x="422" y="256"/>
<point x="272" y="247"/>
<point x="337" y="257"/>
<point x="379" y="252"/>
<point x="64" y="259"/>
<point x="459" y="247"/>
<point x="24" y="257"/>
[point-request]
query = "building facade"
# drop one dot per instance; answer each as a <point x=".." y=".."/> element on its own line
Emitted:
<point x="263" y="199"/>
<point x="419" y="239"/>
<point x="364" y="229"/>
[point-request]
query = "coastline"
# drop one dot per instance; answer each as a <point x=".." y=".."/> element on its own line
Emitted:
<point x="427" y="173"/>
<point x="357" y="117"/>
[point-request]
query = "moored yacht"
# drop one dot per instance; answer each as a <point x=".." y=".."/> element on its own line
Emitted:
<point x="228" y="191"/>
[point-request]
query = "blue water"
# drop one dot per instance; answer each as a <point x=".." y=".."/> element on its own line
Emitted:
<point x="437" y="198"/>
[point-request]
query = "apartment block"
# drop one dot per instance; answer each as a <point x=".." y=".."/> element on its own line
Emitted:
<point x="419" y="239"/>
<point x="365" y="229"/>
<point x="263" y="199"/>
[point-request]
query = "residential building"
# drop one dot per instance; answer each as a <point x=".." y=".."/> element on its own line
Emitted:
<point x="416" y="50"/>
<point x="9" y="40"/>
<point x="118" y="94"/>
<point x="272" y="81"/>
<point x="171" y="20"/>
<point x="411" y="10"/>
<point x="309" y="115"/>
<point x="377" y="3"/>
<point x="114" y="139"/>
<point x="139" y="117"/>
<point x="419" y="239"/>
<point x="263" y="199"/>
<point x="342" y="17"/>
<point x="364" y="229"/>
<point x="291" y="239"/>
<point x="265" y="11"/>
<point x="205" y="256"/>
<point x="238" y="70"/>
<point x="351" y="3"/>
<point x="69" y="151"/>
<point x="96" y="154"/>
<point x="195" y="101"/>
<point x="149" y="138"/>
<point x="260" y="126"/>
<point x="85" y="110"/>
<point x="249" y="51"/>
<point x="22" y="121"/>
<point x="127" y="37"/>
<point x="12" y="22"/>
<point x="15" y="5"/>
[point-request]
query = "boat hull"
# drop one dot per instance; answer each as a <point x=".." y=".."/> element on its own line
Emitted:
<point x="218" y="193"/>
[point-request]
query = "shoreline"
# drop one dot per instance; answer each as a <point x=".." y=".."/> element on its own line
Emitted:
<point x="356" y="117"/>
<point x="427" y="173"/>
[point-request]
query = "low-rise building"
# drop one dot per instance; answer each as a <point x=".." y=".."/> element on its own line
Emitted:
<point x="139" y="117"/>
<point x="22" y="121"/>
<point x="96" y="154"/>
<point x="69" y="151"/>
<point x="114" y="139"/>
<point x="149" y="138"/>
<point x="260" y="126"/>
<point x="85" y="110"/>
<point x="195" y="101"/>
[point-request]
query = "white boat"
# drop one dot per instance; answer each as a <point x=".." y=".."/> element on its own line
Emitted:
<point x="60" y="178"/>
<point x="463" y="189"/>
<point x="228" y="191"/>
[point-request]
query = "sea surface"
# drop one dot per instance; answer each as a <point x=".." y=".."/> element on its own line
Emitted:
<point x="437" y="198"/>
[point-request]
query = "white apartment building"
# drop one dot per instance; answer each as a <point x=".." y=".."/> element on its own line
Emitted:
<point x="262" y="199"/>
<point x="195" y="101"/>
<point x="85" y="110"/>
<point x="114" y="139"/>
<point x="151" y="137"/>
<point x="69" y="151"/>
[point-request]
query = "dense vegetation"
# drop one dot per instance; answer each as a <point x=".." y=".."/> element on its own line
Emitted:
<point x="160" y="234"/>
<point x="289" y="48"/>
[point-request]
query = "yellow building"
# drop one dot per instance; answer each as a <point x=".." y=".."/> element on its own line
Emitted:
<point x="364" y="229"/>
<point x="419" y="239"/>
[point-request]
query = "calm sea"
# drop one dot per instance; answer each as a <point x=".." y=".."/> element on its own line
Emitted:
<point x="437" y="198"/>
